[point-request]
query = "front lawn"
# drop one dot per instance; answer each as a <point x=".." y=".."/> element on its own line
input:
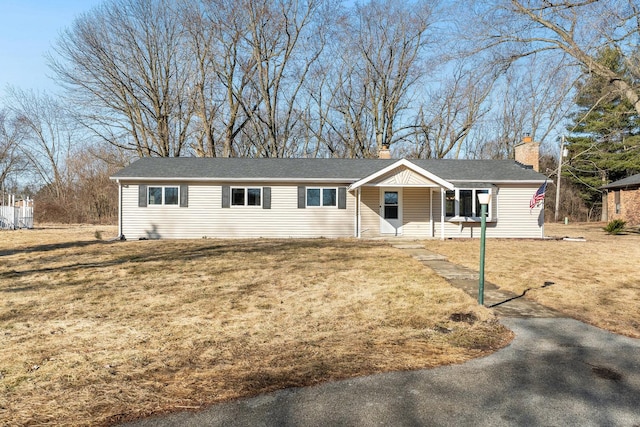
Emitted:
<point x="592" y="276"/>
<point x="96" y="332"/>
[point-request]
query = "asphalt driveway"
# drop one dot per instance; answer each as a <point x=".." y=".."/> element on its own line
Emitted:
<point x="556" y="372"/>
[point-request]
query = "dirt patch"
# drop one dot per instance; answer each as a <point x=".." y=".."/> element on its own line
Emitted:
<point x="469" y="318"/>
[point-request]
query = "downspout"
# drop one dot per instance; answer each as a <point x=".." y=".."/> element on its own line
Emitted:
<point x="119" y="209"/>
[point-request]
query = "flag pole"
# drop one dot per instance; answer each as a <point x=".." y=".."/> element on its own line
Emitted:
<point x="557" y="212"/>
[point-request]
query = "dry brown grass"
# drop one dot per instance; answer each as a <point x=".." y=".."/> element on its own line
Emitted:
<point x="96" y="332"/>
<point x="596" y="281"/>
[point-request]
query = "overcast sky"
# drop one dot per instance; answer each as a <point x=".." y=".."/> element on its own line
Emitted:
<point x="28" y="28"/>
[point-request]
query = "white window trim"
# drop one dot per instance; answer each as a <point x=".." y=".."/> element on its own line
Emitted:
<point x="163" y="187"/>
<point x="246" y="197"/>
<point x="476" y="215"/>
<point x="322" y="205"/>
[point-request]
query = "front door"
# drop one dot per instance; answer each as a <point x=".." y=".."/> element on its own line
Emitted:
<point x="391" y="211"/>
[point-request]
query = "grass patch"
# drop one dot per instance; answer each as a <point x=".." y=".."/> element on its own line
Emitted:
<point x="593" y="281"/>
<point x="96" y="332"/>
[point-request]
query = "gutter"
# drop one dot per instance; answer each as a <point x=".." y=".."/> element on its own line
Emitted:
<point x="257" y="179"/>
<point x="120" y="235"/>
<point x="497" y="181"/>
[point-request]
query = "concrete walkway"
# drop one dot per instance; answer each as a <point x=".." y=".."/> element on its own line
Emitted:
<point x="504" y="303"/>
<point x="557" y="371"/>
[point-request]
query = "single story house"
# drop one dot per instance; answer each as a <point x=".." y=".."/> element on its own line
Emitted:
<point x="622" y="200"/>
<point x="364" y="198"/>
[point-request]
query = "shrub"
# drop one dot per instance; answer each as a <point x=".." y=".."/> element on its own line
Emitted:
<point x="615" y="226"/>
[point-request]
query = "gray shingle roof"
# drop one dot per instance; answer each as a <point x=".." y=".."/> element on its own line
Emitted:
<point x="630" y="181"/>
<point x="347" y="170"/>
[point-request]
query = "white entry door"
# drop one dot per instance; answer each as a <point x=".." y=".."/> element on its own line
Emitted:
<point x="391" y="211"/>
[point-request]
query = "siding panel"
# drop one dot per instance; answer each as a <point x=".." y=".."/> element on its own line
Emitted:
<point x="370" y="215"/>
<point x="415" y="218"/>
<point x="205" y="218"/>
<point x="513" y="218"/>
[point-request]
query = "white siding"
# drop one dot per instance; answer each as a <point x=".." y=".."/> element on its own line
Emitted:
<point x="402" y="177"/>
<point x="205" y="217"/>
<point x="512" y="217"/>
<point x="437" y="213"/>
<point x="515" y="218"/>
<point x="415" y="211"/>
<point x="415" y="215"/>
<point x="370" y="214"/>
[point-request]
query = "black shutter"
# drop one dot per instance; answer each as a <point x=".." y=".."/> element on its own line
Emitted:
<point x="184" y="196"/>
<point x="266" y="197"/>
<point x="226" y="196"/>
<point x="302" y="197"/>
<point x="342" y="197"/>
<point x="142" y="196"/>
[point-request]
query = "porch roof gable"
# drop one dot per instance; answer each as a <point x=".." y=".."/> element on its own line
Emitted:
<point x="408" y="165"/>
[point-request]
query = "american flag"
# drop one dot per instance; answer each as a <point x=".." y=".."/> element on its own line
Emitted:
<point x="539" y="196"/>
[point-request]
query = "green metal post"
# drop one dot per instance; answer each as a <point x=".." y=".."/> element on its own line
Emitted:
<point x="483" y="232"/>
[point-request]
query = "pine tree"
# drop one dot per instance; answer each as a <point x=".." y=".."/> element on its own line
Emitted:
<point x="604" y="145"/>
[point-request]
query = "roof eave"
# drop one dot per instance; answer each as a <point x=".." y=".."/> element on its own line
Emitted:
<point x="228" y="179"/>
<point x="499" y="181"/>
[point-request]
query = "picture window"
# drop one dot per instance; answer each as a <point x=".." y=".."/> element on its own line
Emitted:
<point x="464" y="203"/>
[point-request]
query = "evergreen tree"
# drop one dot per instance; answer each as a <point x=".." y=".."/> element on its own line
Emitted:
<point x="604" y="145"/>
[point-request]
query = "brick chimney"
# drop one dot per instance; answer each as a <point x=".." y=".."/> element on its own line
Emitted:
<point x="528" y="152"/>
<point x="384" y="153"/>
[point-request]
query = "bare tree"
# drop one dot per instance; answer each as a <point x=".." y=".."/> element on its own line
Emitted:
<point x="383" y="50"/>
<point x="95" y="196"/>
<point x="578" y="29"/>
<point x="348" y="125"/>
<point x="12" y="133"/>
<point x="286" y="37"/>
<point x="224" y="67"/>
<point x="450" y="112"/>
<point x="128" y="72"/>
<point x="49" y="136"/>
<point x="532" y="97"/>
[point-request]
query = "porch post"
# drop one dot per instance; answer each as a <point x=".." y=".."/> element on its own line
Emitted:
<point x="431" y="212"/>
<point x="358" y="214"/>
<point x="442" y="208"/>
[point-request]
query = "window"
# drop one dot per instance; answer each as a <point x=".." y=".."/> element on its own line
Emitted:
<point x="450" y="203"/>
<point x="478" y="206"/>
<point x="246" y="196"/>
<point x="322" y="197"/>
<point x="616" y="195"/>
<point x="155" y="195"/>
<point x="391" y="205"/>
<point x="171" y="195"/>
<point x="163" y="196"/>
<point x="466" y="203"/>
<point x="463" y="203"/>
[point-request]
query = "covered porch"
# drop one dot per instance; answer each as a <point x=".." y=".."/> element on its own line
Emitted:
<point x="402" y="200"/>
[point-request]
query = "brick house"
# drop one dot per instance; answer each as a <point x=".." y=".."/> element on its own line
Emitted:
<point x="622" y="200"/>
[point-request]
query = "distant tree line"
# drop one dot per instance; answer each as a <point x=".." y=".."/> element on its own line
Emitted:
<point x="317" y="78"/>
